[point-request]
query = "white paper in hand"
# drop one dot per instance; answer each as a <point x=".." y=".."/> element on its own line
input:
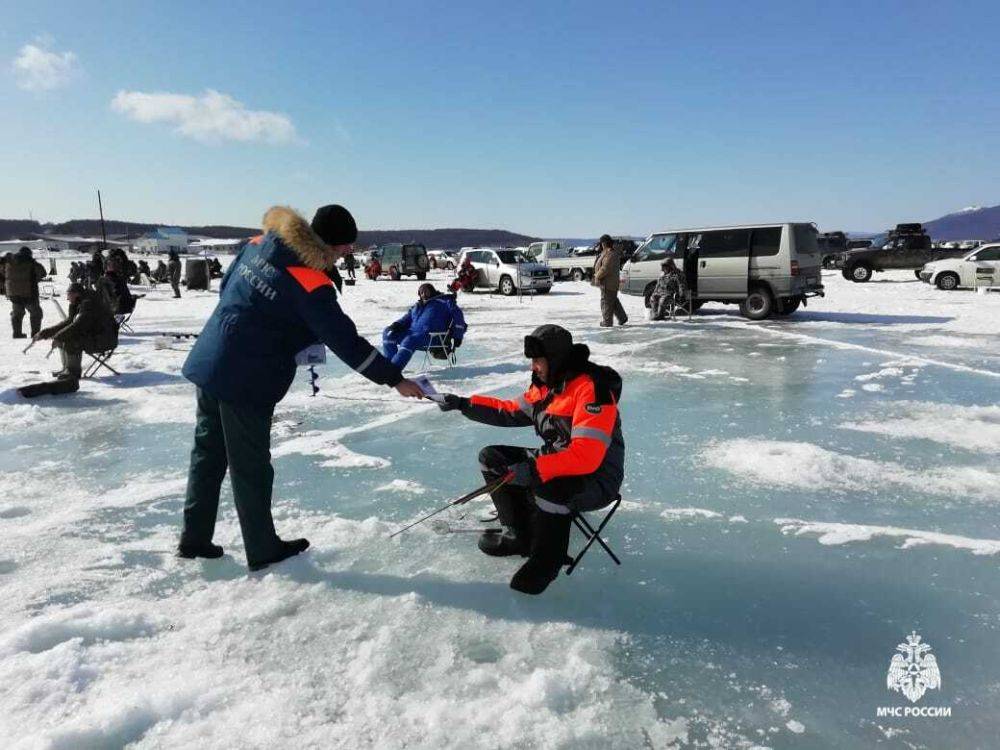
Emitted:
<point x="428" y="388"/>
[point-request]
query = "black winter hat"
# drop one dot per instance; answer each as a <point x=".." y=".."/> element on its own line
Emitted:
<point x="335" y="225"/>
<point x="553" y="342"/>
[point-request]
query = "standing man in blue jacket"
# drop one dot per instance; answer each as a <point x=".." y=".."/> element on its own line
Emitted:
<point x="433" y="312"/>
<point x="275" y="300"/>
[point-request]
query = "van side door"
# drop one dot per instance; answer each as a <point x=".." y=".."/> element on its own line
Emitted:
<point x="723" y="262"/>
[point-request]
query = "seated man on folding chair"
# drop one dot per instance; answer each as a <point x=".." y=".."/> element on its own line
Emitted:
<point x="90" y="327"/>
<point x="434" y="312"/>
<point x="669" y="293"/>
<point x="573" y="405"/>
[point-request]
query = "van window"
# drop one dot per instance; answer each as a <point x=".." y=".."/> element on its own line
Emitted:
<point x="805" y="239"/>
<point x="766" y="241"/>
<point x="657" y="247"/>
<point x="721" y="243"/>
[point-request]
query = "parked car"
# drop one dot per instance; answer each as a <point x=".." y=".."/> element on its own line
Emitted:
<point x="981" y="267"/>
<point x="908" y="246"/>
<point x="508" y="271"/>
<point x="442" y="259"/>
<point x="399" y="260"/>
<point x="765" y="268"/>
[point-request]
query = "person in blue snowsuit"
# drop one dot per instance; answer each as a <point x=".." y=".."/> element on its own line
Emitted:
<point x="434" y="312"/>
<point x="276" y="299"/>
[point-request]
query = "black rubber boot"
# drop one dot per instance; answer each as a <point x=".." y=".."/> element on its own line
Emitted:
<point x="514" y="513"/>
<point x="289" y="548"/>
<point x="549" y="544"/>
<point x="191" y="551"/>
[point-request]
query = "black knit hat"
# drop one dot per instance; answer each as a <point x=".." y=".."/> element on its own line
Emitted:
<point x="550" y="341"/>
<point x="335" y="225"/>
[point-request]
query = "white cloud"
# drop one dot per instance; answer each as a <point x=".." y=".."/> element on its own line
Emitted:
<point x="210" y="117"/>
<point x="36" y="68"/>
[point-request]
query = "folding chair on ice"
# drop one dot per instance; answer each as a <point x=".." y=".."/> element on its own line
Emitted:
<point x="99" y="360"/>
<point x="440" y="346"/>
<point x="685" y="304"/>
<point x="593" y="535"/>
<point x="122" y="319"/>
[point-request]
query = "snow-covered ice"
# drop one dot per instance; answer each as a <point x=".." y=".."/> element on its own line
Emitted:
<point x="801" y="494"/>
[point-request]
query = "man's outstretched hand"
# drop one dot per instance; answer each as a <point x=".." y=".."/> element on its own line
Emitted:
<point x="409" y="388"/>
<point x="452" y="402"/>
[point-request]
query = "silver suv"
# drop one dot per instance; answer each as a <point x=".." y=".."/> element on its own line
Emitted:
<point x="509" y="271"/>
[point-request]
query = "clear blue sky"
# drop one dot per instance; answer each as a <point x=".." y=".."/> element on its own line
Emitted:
<point x="545" y="118"/>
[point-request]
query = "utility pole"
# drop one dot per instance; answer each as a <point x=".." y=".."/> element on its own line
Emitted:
<point x="104" y="236"/>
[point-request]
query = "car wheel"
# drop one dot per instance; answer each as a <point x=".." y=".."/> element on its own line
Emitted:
<point x="507" y="287"/>
<point x="758" y="305"/>
<point x="421" y="275"/>
<point x="450" y="266"/>
<point x="393" y="273"/>
<point x="789" y="305"/>
<point x="578" y="274"/>
<point x="947" y="281"/>
<point x="917" y="274"/>
<point x="544" y="290"/>
<point x="861" y="273"/>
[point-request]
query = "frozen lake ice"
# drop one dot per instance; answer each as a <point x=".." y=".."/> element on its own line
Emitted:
<point x="801" y="494"/>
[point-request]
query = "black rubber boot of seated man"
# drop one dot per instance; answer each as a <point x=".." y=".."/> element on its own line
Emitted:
<point x="549" y="545"/>
<point x="514" y="511"/>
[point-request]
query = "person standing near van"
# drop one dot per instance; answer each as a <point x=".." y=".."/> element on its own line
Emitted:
<point x="606" y="272"/>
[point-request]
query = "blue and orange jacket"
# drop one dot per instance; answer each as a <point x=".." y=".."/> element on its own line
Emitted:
<point x="578" y="422"/>
<point x="274" y="301"/>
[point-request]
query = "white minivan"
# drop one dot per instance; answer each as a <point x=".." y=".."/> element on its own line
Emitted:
<point x="764" y="268"/>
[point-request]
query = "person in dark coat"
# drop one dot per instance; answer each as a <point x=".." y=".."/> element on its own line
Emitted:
<point x="96" y="266"/>
<point x="275" y="300"/>
<point x="161" y="275"/>
<point x="433" y="312"/>
<point x="670" y="288"/>
<point x="573" y="405"/>
<point x="3" y="272"/>
<point x="174" y="272"/>
<point x="215" y="269"/>
<point x="607" y="268"/>
<point x="114" y="288"/>
<point x="89" y="327"/>
<point x="22" y="274"/>
<point x="144" y="270"/>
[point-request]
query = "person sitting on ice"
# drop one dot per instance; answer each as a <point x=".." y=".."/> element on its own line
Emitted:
<point x="89" y="327"/>
<point x="466" y="279"/>
<point x="670" y="288"/>
<point x="374" y="268"/>
<point x="573" y="405"/>
<point x="432" y="312"/>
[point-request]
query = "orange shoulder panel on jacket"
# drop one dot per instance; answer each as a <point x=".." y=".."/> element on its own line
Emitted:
<point x="309" y="278"/>
<point x="256" y="240"/>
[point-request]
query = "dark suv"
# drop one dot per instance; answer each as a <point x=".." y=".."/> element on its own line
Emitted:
<point x="403" y="260"/>
<point x="908" y="246"/>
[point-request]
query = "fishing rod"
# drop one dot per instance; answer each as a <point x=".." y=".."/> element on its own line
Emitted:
<point x="485" y="489"/>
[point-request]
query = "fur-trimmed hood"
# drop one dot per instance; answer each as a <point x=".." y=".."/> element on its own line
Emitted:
<point x="294" y="231"/>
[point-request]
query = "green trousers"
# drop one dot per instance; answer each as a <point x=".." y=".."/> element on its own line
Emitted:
<point x="236" y="437"/>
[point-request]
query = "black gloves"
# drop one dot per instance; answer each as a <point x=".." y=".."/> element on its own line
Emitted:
<point x="452" y="402"/>
<point x="458" y="343"/>
<point x="524" y="474"/>
<point x="396" y="327"/>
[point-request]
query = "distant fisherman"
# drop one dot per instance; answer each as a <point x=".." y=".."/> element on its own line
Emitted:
<point x="573" y="405"/>
<point x="275" y="300"/>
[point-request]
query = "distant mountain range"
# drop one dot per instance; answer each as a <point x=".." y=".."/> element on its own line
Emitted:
<point x="433" y="238"/>
<point x="973" y="223"/>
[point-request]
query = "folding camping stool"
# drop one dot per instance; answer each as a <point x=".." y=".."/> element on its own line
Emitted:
<point x="100" y="359"/>
<point x="685" y="305"/>
<point x="122" y="321"/>
<point x="593" y="535"/>
<point x="440" y="346"/>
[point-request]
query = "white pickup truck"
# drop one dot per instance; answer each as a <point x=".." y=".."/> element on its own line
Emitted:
<point x="564" y="261"/>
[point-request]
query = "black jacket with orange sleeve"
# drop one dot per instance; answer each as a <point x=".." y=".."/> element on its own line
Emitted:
<point x="577" y="420"/>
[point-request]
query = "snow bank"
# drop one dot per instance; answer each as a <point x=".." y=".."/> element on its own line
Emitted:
<point x="845" y="533"/>
<point x="971" y="428"/>
<point x="793" y="465"/>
